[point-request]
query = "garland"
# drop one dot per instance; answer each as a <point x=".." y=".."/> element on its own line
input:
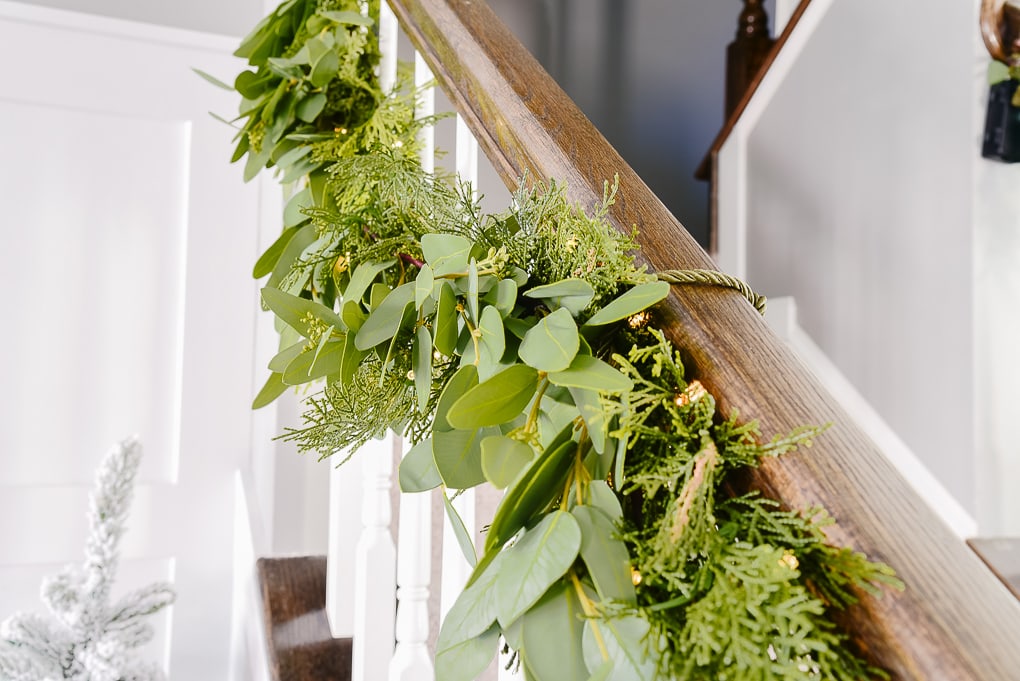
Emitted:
<point x="520" y="350"/>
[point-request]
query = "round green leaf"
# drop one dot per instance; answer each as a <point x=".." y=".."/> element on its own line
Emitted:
<point x="552" y="344"/>
<point x="591" y="373"/>
<point x="458" y="455"/>
<point x="633" y="301"/>
<point x="572" y="294"/>
<point x="447" y="253"/>
<point x="503" y="459"/>
<point x="535" y="563"/>
<point x="418" y="472"/>
<point x="498" y="400"/>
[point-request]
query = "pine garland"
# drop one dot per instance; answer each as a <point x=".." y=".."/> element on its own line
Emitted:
<point x="520" y="350"/>
<point x="84" y="636"/>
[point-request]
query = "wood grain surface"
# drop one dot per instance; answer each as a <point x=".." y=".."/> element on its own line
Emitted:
<point x="955" y="620"/>
<point x="300" y="644"/>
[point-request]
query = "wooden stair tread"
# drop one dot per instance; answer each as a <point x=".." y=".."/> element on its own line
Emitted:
<point x="1002" y="555"/>
<point x="301" y="646"/>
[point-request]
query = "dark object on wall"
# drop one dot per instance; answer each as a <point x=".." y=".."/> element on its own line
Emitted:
<point x="1002" y="124"/>
<point x="747" y="52"/>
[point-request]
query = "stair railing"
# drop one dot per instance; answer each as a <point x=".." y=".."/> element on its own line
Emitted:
<point x="955" y="620"/>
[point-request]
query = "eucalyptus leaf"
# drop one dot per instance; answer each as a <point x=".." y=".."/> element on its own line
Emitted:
<point x="362" y="278"/>
<point x="300" y="313"/>
<point x="535" y="489"/>
<point x="385" y="320"/>
<point x="552" y="344"/>
<point x="472" y="292"/>
<point x="503" y="459"/>
<point x="446" y="253"/>
<point x="591" y="373"/>
<point x="279" y="362"/>
<point x="460" y="383"/>
<point x="214" y="80"/>
<point x="603" y="672"/>
<point x="421" y="365"/>
<point x="351" y="18"/>
<point x="624" y="639"/>
<point x="307" y="366"/>
<point x="467" y="546"/>
<point x="311" y="106"/>
<point x="423" y="286"/>
<point x="605" y="555"/>
<point x="474" y="611"/>
<point x="447" y="322"/>
<point x="498" y="400"/>
<point x="593" y="415"/>
<point x="417" y="471"/>
<point x="552" y="632"/>
<point x="267" y="261"/>
<point x="519" y="327"/>
<point x="292" y="215"/>
<point x="534" y="563"/>
<point x="493" y="338"/>
<point x="630" y="303"/>
<point x="273" y="388"/>
<point x="465" y="660"/>
<point x="351" y="359"/>
<point x="458" y="456"/>
<point x="354" y="315"/>
<point x="303" y="238"/>
<point x="503" y="296"/>
<point x="325" y="69"/>
<point x="602" y="497"/>
<point x="572" y="294"/>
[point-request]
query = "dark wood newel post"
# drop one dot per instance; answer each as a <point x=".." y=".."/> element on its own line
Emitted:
<point x="747" y="52"/>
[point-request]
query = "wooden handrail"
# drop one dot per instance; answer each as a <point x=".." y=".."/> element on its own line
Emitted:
<point x="955" y="620"/>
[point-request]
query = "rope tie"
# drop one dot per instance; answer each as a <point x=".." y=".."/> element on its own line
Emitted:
<point x="714" y="278"/>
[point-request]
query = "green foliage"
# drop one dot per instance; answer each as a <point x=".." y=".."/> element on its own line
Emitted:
<point x="515" y="349"/>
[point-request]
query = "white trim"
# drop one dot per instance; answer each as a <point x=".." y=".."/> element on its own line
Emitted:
<point x="782" y="317"/>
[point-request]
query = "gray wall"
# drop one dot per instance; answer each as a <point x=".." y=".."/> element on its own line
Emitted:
<point x="650" y="75"/>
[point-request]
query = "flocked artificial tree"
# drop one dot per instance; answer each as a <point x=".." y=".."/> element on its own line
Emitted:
<point x="84" y="636"/>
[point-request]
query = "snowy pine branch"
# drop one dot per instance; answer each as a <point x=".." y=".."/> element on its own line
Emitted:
<point x="84" y="637"/>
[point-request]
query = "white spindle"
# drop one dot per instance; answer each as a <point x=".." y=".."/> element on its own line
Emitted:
<point x="374" y="566"/>
<point x="344" y="505"/>
<point x="411" y="659"/>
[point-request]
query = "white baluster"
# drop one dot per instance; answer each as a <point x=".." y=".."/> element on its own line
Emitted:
<point x="387" y="47"/>
<point x="411" y="660"/>
<point x="345" y="504"/>
<point x="426" y="107"/>
<point x="375" y="566"/>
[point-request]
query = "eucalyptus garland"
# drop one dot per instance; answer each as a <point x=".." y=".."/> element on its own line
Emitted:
<point x="521" y="350"/>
